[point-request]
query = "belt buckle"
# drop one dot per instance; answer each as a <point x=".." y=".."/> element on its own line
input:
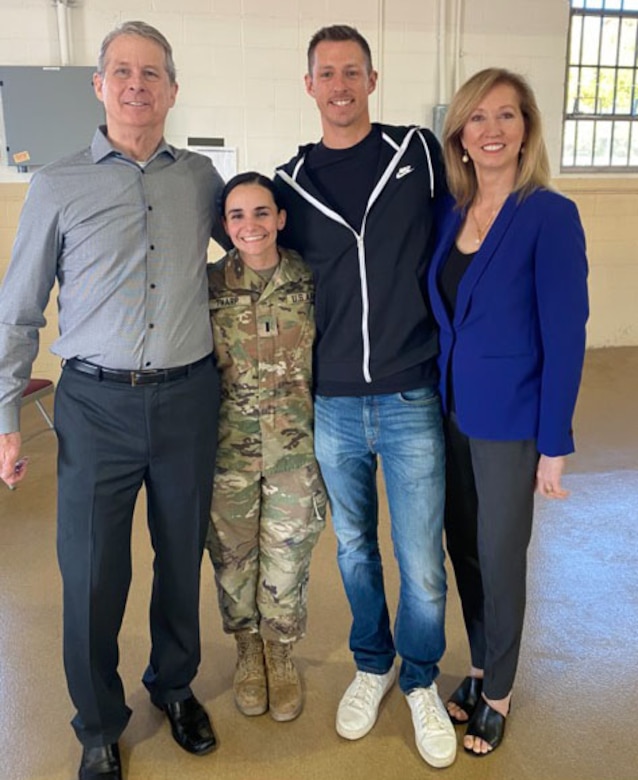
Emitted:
<point x="148" y="377"/>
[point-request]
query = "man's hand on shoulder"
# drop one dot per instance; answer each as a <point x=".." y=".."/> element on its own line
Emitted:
<point x="12" y="470"/>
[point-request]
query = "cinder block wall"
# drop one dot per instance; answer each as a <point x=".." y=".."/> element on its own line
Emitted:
<point x="240" y="69"/>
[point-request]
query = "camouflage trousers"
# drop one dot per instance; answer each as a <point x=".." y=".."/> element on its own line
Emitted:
<point x="261" y="536"/>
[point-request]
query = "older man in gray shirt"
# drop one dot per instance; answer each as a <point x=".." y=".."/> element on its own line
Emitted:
<point x="124" y="227"/>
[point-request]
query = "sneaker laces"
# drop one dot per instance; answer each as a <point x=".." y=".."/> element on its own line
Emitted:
<point x="365" y="689"/>
<point x="429" y="713"/>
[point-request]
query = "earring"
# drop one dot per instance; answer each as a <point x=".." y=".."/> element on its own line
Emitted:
<point x="465" y="157"/>
<point x="521" y="150"/>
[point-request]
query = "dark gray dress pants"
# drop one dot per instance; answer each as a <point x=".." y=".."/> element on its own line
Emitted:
<point x="488" y="525"/>
<point x="115" y="439"/>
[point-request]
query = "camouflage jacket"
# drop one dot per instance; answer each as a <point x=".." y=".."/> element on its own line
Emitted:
<point x="263" y="336"/>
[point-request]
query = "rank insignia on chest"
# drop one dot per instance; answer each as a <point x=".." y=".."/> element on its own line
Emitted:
<point x="267" y="326"/>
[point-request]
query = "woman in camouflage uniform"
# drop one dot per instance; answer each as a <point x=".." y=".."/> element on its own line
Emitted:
<point x="269" y="501"/>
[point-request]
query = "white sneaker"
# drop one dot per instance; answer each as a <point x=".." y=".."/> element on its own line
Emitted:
<point x="433" y="729"/>
<point x="359" y="706"/>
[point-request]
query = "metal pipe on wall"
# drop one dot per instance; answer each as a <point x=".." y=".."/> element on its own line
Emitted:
<point x="381" y="43"/>
<point x="447" y="61"/>
<point x="70" y="4"/>
<point x="441" y="58"/>
<point x="440" y="109"/>
<point x="458" y="21"/>
<point x="63" y="31"/>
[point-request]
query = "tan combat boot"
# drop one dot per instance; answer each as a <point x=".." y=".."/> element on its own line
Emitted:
<point x="284" y="685"/>
<point x="249" y="685"/>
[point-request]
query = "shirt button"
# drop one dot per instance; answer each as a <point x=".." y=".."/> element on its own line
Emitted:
<point x="153" y="286"/>
<point x="151" y="325"/>
<point x="148" y="363"/>
<point x="152" y="246"/>
<point x="150" y="208"/>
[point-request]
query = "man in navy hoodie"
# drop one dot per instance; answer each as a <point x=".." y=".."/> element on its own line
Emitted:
<point x="361" y="206"/>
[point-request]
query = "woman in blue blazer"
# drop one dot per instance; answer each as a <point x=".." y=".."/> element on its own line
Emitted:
<point x="508" y="286"/>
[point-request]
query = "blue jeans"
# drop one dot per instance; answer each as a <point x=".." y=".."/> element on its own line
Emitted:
<point x="405" y="431"/>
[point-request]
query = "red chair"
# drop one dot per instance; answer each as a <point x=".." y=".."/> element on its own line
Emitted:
<point x="35" y="391"/>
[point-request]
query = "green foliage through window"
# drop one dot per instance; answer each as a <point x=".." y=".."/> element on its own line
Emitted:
<point x="601" y="96"/>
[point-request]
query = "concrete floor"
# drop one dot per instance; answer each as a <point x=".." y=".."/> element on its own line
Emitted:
<point x="575" y="703"/>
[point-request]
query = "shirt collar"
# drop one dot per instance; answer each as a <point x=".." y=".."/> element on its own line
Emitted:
<point x="239" y="275"/>
<point x="101" y="147"/>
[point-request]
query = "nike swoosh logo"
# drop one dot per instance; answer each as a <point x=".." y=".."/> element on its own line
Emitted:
<point x="404" y="171"/>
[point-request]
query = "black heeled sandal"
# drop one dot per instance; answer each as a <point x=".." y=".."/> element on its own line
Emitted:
<point x="466" y="696"/>
<point x="486" y="724"/>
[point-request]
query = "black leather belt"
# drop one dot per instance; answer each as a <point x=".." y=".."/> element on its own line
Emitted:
<point x="145" y="377"/>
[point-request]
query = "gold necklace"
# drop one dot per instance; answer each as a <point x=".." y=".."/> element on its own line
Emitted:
<point x="481" y="231"/>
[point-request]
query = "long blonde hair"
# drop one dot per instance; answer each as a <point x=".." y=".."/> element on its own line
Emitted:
<point x="533" y="164"/>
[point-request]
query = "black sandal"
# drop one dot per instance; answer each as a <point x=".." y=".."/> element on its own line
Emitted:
<point x="466" y="696"/>
<point x="486" y="724"/>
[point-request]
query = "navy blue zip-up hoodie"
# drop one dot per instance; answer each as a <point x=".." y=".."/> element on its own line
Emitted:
<point x="373" y="317"/>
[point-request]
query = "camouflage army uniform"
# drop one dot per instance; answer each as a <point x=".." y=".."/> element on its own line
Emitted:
<point x="269" y="501"/>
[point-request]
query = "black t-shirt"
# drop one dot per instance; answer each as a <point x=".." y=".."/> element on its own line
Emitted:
<point x="454" y="267"/>
<point x="452" y="272"/>
<point x="346" y="177"/>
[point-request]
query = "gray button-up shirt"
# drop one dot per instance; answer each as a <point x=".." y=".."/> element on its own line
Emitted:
<point x="127" y="244"/>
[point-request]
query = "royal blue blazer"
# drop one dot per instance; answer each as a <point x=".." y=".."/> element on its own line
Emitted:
<point x="516" y="345"/>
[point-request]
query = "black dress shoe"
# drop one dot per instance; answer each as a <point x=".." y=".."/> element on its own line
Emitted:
<point x="101" y="763"/>
<point x="191" y="726"/>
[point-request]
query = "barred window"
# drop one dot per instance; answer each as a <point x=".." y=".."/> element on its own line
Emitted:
<point x="600" y="128"/>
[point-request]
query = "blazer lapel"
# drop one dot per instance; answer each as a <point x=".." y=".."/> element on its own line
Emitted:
<point x="483" y="257"/>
